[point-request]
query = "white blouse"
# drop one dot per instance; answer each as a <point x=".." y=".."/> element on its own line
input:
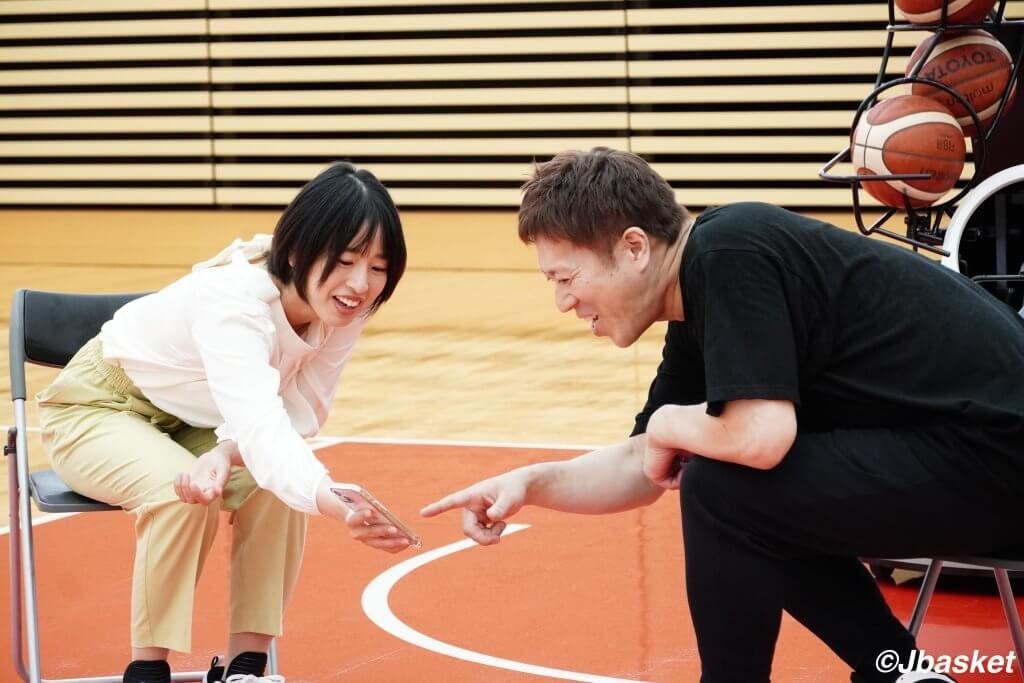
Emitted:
<point x="215" y="350"/>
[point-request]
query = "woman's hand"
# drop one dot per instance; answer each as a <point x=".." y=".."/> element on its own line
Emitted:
<point x="363" y="523"/>
<point x="205" y="482"/>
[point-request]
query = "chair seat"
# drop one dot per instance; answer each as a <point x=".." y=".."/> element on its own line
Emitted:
<point x="961" y="565"/>
<point x="53" y="495"/>
<point x="1011" y="559"/>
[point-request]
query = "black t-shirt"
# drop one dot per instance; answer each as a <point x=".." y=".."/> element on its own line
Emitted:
<point x="856" y="332"/>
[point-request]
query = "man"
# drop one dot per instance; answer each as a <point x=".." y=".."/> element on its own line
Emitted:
<point x="821" y="396"/>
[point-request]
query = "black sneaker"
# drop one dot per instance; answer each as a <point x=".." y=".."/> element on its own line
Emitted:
<point x="216" y="672"/>
<point x="147" y="671"/>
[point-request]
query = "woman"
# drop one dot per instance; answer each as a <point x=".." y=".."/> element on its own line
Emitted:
<point x="198" y="397"/>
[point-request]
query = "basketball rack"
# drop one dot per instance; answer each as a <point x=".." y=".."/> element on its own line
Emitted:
<point x="923" y="224"/>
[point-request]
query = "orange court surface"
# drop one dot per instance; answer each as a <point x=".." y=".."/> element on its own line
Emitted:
<point x="594" y="598"/>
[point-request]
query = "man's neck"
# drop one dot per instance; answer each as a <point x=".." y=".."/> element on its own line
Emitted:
<point x="672" y="306"/>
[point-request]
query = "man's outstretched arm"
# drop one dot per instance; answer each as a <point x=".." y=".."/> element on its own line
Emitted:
<point x="609" y="479"/>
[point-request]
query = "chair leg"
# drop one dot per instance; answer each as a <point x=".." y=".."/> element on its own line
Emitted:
<point x="272" y="657"/>
<point x="27" y="564"/>
<point x="1012" y="615"/>
<point x="22" y="568"/>
<point x="924" y="596"/>
<point x="14" y="555"/>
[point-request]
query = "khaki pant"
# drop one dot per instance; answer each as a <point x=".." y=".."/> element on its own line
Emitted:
<point x="108" y="442"/>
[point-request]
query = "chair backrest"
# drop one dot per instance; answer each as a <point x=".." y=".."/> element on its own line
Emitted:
<point x="48" y="328"/>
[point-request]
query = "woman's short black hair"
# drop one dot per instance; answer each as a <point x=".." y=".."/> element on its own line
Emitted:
<point x="342" y="209"/>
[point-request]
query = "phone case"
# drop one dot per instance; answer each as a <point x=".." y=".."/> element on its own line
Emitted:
<point x="354" y="496"/>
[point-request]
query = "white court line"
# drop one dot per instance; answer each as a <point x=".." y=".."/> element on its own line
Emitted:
<point x="376" y="607"/>
<point x="334" y="440"/>
<point x="38" y="519"/>
<point x="318" y="442"/>
<point x="27" y="429"/>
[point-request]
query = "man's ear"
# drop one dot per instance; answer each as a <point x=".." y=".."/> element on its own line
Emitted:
<point x="637" y="245"/>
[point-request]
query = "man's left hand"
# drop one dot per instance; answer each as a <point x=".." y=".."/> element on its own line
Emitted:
<point x="663" y="464"/>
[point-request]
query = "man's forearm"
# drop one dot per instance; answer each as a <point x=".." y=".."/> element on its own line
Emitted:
<point x="609" y="479"/>
<point x="755" y="433"/>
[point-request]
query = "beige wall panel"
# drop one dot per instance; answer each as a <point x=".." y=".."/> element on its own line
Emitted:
<point x="478" y="240"/>
<point x="519" y="172"/>
<point x="737" y="171"/>
<point x="740" y="144"/>
<point x="82" y="29"/>
<point x="437" y="239"/>
<point x="419" y="22"/>
<point x="780" y="40"/>
<point x="60" y="149"/>
<point x="403" y="196"/>
<point x="749" y="93"/>
<point x="774" y="14"/>
<point x="426" y="46"/>
<point x="456" y="197"/>
<point x="761" y="66"/>
<point x="265" y="4"/>
<point x="423" y="122"/>
<point x="447" y="146"/>
<point x="69" y="6"/>
<point x="106" y="172"/>
<point x="386" y="172"/>
<point x="134" y="100"/>
<point x="106" y="195"/>
<point x="114" y="125"/>
<point x="743" y="16"/>
<point x="741" y="120"/>
<point x="56" y="77"/>
<point x="123" y="53"/>
<point x="278" y="172"/>
<point x="828" y="195"/>
<point x="414" y="72"/>
<point x="140" y="237"/>
<point x="431" y="97"/>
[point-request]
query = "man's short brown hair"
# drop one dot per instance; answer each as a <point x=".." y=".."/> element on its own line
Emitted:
<point x="589" y="198"/>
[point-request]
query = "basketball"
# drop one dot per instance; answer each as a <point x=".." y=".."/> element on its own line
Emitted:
<point x="959" y="12"/>
<point x="975" y="64"/>
<point x="908" y="134"/>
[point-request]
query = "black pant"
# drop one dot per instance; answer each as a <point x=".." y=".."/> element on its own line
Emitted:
<point x="757" y="542"/>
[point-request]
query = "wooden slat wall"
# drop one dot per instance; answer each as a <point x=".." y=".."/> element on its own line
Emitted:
<point x="237" y="102"/>
<point x="449" y="103"/>
<point x="105" y="103"/>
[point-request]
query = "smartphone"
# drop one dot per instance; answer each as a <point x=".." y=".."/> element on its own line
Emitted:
<point x="355" y="496"/>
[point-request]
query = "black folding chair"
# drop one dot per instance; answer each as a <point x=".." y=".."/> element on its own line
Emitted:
<point x="48" y="328"/>
<point x="1000" y="565"/>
